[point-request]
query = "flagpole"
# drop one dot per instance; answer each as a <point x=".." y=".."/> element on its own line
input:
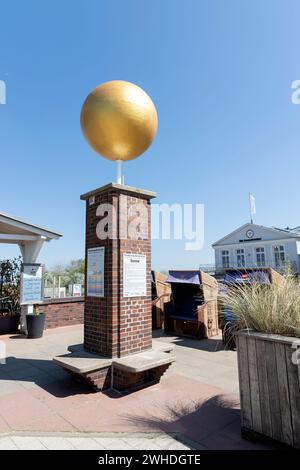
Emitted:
<point x="250" y="210"/>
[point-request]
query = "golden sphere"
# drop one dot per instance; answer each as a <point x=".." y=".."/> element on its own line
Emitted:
<point x="119" y="120"/>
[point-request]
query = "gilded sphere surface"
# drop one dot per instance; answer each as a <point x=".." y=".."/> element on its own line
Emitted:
<point x="119" y="120"/>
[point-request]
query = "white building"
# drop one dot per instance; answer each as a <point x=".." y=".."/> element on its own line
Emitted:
<point x="254" y="246"/>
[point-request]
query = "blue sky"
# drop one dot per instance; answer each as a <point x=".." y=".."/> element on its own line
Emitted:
<point x="220" y="74"/>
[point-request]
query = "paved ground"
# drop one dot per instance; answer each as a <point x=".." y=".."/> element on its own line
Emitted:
<point x="205" y="361"/>
<point x="103" y="441"/>
<point x="196" y="404"/>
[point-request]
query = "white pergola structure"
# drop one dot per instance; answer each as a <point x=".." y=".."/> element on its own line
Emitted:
<point x="29" y="237"/>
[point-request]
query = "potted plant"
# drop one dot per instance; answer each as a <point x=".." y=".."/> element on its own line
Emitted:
<point x="268" y="341"/>
<point x="9" y="295"/>
<point x="35" y="323"/>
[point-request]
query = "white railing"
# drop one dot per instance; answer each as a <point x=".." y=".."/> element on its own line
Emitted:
<point x="220" y="268"/>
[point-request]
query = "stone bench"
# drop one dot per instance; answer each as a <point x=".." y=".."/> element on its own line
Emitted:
<point x="143" y="361"/>
<point x="82" y="362"/>
<point x="126" y="373"/>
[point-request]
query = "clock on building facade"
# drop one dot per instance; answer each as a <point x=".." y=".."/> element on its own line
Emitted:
<point x="249" y="233"/>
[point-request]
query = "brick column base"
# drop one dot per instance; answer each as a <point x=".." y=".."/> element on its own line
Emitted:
<point x="123" y="381"/>
<point x="127" y="381"/>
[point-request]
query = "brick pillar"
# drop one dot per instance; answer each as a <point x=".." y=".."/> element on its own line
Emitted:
<point x="118" y="219"/>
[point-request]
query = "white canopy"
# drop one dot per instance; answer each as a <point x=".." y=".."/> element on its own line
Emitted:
<point x="28" y="236"/>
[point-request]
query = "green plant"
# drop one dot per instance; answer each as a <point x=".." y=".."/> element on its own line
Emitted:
<point x="73" y="273"/>
<point x="36" y="309"/>
<point x="10" y="285"/>
<point x="271" y="308"/>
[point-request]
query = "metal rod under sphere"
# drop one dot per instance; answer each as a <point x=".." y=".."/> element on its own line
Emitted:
<point x="119" y="171"/>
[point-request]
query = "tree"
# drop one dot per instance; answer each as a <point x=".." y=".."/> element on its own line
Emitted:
<point x="77" y="265"/>
<point x="73" y="273"/>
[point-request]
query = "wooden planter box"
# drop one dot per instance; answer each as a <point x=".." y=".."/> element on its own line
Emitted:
<point x="269" y="386"/>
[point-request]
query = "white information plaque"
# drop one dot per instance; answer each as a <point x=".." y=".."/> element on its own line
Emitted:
<point x="95" y="272"/>
<point x="134" y="275"/>
<point x="31" y="291"/>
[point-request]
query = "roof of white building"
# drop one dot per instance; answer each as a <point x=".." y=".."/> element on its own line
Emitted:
<point x="287" y="232"/>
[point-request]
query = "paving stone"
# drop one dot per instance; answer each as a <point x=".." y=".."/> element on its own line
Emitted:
<point x="168" y="443"/>
<point x="56" y="443"/>
<point x="28" y="443"/>
<point x="4" y="427"/>
<point x="114" y="443"/>
<point x="8" y="387"/>
<point x="7" y="444"/>
<point x="88" y="444"/>
<point x="144" y="444"/>
<point x="3" y="374"/>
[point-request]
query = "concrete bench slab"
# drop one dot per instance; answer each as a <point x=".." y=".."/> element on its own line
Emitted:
<point x="82" y="362"/>
<point x="140" y="362"/>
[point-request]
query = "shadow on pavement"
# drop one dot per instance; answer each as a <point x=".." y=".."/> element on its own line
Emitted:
<point x="210" y="424"/>
<point x="43" y="373"/>
<point x="210" y="344"/>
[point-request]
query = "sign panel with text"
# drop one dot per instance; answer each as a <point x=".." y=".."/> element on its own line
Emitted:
<point x="134" y="275"/>
<point x="95" y="272"/>
<point x="31" y="291"/>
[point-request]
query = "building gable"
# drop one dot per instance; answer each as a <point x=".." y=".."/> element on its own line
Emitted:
<point x="252" y="232"/>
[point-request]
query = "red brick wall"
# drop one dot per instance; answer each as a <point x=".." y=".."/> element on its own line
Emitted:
<point x="63" y="312"/>
<point x="115" y="326"/>
<point x="122" y="380"/>
<point x="127" y="381"/>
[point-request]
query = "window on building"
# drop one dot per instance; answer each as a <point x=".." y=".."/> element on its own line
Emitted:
<point x="279" y="255"/>
<point x="260" y="256"/>
<point x="240" y="258"/>
<point x="225" y="259"/>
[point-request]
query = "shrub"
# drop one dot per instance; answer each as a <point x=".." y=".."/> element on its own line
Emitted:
<point x="271" y="308"/>
<point x="10" y="284"/>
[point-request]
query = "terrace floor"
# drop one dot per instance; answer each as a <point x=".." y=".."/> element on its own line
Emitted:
<point x="196" y="405"/>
